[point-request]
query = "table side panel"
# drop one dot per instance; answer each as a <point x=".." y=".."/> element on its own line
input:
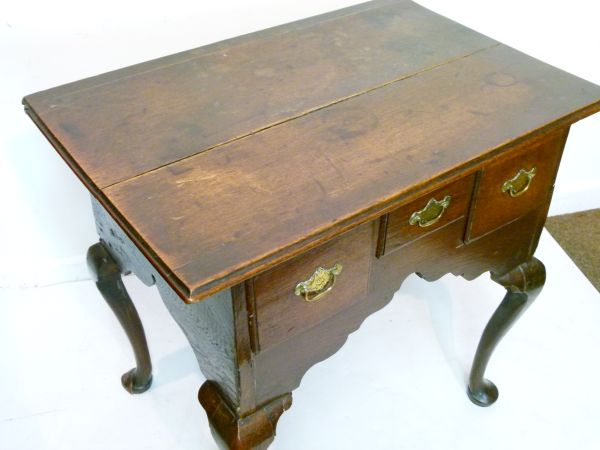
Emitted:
<point x="209" y="325"/>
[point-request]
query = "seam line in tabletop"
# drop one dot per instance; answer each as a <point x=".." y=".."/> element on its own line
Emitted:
<point x="305" y="113"/>
<point x="265" y="261"/>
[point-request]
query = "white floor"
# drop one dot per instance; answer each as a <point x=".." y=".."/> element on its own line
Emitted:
<point x="397" y="384"/>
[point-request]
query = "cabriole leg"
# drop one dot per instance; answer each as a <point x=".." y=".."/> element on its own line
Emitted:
<point x="523" y="284"/>
<point x="254" y="431"/>
<point x="218" y="331"/>
<point x="107" y="275"/>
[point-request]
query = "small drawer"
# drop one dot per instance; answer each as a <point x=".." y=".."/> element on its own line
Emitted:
<point x="285" y="308"/>
<point x="424" y="215"/>
<point x="513" y="184"/>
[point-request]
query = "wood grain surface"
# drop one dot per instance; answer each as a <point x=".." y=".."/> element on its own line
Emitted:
<point x="148" y="117"/>
<point x="398" y="230"/>
<point x="222" y="215"/>
<point x="433" y="256"/>
<point x="220" y="167"/>
<point x="281" y="314"/>
<point x="493" y="208"/>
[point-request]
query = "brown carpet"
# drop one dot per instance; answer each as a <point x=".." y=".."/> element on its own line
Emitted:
<point x="579" y="235"/>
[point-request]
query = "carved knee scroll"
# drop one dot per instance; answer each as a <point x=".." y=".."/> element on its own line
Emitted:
<point x="107" y="275"/>
<point x="523" y="284"/>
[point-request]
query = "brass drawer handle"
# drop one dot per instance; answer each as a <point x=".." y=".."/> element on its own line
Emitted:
<point x="319" y="284"/>
<point x="519" y="183"/>
<point x="432" y="212"/>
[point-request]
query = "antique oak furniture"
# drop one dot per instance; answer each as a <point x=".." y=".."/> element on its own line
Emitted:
<point x="278" y="187"/>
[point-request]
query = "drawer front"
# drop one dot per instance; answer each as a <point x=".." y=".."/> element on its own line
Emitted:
<point x="283" y="309"/>
<point x="516" y="183"/>
<point x="426" y="214"/>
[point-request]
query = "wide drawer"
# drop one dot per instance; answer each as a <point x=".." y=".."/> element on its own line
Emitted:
<point x="333" y="276"/>
<point x="428" y="213"/>
<point x="513" y="184"/>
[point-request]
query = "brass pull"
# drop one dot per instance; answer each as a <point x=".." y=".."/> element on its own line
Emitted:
<point x="319" y="284"/>
<point x="432" y="212"/>
<point x="519" y="183"/>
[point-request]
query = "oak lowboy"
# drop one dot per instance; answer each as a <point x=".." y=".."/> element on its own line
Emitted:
<point x="277" y="188"/>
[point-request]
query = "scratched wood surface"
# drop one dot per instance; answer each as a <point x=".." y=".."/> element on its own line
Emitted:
<point x="219" y="167"/>
<point x="142" y="118"/>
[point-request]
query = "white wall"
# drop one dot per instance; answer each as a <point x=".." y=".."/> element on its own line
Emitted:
<point x="46" y="223"/>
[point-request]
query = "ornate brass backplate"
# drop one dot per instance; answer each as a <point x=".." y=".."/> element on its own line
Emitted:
<point x="319" y="284"/>
<point x="519" y="184"/>
<point x="432" y="212"/>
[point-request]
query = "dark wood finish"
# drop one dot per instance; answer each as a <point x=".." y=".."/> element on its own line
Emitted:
<point x="281" y="314"/>
<point x="107" y="275"/>
<point x="432" y="257"/>
<point x="209" y="326"/>
<point x="188" y="103"/>
<point x="237" y="211"/>
<point x="249" y="386"/>
<point x="493" y="208"/>
<point x="255" y="430"/>
<point x="396" y="230"/>
<point x="229" y="173"/>
<point x="285" y="184"/>
<point x="220" y="332"/>
<point x="523" y="284"/>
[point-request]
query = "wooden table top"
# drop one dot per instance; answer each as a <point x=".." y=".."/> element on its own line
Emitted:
<point x="222" y="161"/>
